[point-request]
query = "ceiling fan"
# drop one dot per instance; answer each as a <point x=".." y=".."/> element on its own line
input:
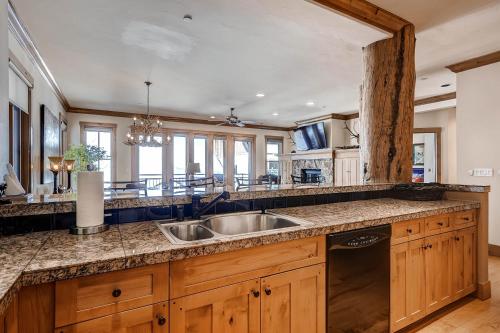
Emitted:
<point x="232" y="120"/>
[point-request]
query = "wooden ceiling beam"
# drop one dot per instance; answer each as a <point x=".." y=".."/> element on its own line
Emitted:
<point x="484" y="60"/>
<point x="366" y="12"/>
<point x="121" y="114"/>
<point x="435" y="99"/>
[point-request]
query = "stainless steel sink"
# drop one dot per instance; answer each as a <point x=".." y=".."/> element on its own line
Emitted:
<point x="223" y="225"/>
<point x="236" y="224"/>
<point x="185" y="232"/>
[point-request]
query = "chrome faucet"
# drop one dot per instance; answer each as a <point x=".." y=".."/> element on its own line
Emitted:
<point x="198" y="210"/>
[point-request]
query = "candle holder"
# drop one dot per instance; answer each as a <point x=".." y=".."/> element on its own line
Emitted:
<point x="55" y="167"/>
<point x="69" y="165"/>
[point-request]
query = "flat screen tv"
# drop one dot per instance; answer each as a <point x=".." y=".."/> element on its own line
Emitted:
<point x="311" y="137"/>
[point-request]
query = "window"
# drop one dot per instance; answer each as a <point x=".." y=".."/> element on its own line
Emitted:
<point x="151" y="162"/>
<point x="242" y="159"/>
<point x="180" y="160"/>
<point x="200" y="155"/>
<point x="102" y="136"/>
<point x="219" y="150"/>
<point x="274" y="148"/>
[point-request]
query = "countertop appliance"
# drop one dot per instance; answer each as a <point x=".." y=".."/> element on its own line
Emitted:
<point x="359" y="281"/>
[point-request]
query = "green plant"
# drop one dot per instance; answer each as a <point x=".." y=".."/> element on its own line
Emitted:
<point x="84" y="155"/>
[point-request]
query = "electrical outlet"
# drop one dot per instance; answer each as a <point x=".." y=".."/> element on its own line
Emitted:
<point x="481" y="172"/>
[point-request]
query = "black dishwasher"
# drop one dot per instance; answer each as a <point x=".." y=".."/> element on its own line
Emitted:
<point x="359" y="280"/>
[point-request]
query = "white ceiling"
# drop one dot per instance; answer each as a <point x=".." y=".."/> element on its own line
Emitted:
<point x="448" y="31"/>
<point x="100" y="52"/>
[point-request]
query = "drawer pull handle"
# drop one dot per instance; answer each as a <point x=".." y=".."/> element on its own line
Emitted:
<point x="440" y="224"/>
<point x="116" y="293"/>
<point x="430" y="246"/>
<point x="255" y="293"/>
<point x="268" y="291"/>
<point x="409" y="231"/>
<point x="457" y="238"/>
<point x="466" y="218"/>
<point x="161" y="320"/>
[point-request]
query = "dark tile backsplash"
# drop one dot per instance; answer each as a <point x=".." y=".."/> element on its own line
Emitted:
<point x="25" y="224"/>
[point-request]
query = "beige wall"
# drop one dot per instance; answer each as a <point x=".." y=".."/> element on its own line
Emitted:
<point x="478" y="134"/>
<point x="4" y="89"/>
<point x="41" y="93"/>
<point x="446" y="120"/>
<point x="124" y="153"/>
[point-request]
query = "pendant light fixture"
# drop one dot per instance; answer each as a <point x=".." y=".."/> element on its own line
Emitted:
<point x="145" y="131"/>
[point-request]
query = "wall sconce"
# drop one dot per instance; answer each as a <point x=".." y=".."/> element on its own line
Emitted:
<point x="55" y="167"/>
<point x="69" y="165"/>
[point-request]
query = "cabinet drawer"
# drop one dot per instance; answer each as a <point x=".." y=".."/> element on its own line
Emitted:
<point x="407" y="230"/>
<point x="437" y="224"/>
<point x="198" y="274"/>
<point x="464" y="219"/>
<point x="100" y="295"/>
<point x="147" y="319"/>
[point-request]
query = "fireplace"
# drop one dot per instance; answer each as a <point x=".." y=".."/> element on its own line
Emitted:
<point x="311" y="176"/>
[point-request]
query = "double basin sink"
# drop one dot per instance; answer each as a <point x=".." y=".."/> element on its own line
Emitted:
<point x="224" y="225"/>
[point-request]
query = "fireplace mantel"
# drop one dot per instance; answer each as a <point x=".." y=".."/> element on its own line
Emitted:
<point x="316" y="154"/>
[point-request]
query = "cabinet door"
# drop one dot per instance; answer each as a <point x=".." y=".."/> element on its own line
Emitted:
<point x="231" y="309"/>
<point x="354" y="171"/>
<point x="464" y="262"/>
<point x="147" y="319"/>
<point x="438" y="270"/>
<point x="9" y="321"/>
<point x="338" y="172"/>
<point x="294" y="301"/>
<point x="407" y="283"/>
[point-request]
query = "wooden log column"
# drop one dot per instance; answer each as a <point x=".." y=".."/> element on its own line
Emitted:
<point x="386" y="113"/>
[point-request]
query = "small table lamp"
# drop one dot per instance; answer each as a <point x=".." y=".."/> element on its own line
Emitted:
<point x="69" y="165"/>
<point x="55" y="167"/>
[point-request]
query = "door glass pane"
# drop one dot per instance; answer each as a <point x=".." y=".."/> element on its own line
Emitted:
<point x="179" y="145"/>
<point x="92" y="138"/>
<point x="151" y="163"/>
<point x="200" y="154"/>
<point x="219" y="159"/>
<point x="273" y="150"/>
<point x="242" y="159"/>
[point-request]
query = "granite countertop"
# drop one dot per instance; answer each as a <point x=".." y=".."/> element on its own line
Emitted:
<point x="66" y="203"/>
<point x="56" y="255"/>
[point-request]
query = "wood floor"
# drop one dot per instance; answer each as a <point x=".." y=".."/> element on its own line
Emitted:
<point x="475" y="316"/>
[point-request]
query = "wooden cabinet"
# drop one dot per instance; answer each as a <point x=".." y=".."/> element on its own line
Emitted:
<point x="407" y="283"/>
<point x="347" y="170"/>
<point x="434" y="270"/>
<point x="146" y="319"/>
<point x="100" y="295"/>
<point x="9" y="320"/>
<point x="464" y="262"/>
<point x="294" y="301"/>
<point x="438" y="271"/>
<point x="231" y="309"/>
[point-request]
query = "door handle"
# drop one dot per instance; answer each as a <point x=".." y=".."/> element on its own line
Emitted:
<point x="267" y="291"/>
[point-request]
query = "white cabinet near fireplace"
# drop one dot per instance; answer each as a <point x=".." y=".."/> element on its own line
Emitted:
<point x="347" y="167"/>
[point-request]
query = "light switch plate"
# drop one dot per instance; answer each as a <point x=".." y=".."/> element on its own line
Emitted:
<point x="482" y="172"/>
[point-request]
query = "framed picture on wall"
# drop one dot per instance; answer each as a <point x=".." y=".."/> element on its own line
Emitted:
<point x="49" y="142"/>
<point x="418" y="153"/>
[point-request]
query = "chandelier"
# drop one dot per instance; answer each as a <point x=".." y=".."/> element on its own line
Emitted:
<point x="146" y="132"/>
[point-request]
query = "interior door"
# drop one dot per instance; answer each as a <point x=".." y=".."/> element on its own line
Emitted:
<point x="294" y="301"/>
<point x="231" y="309"/>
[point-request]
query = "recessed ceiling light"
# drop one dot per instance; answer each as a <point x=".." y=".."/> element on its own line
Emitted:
<point x="310" y="103"/>
<point x="260" y="95"/>
<point x="445" y="85"/>
<point x="212" y="117"/>
<point x="276" y="114"/>
<point x="187" y="18"/>
<point x="423" y="78"/>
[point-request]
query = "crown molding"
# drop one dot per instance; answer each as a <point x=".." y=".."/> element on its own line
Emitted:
<point x="435" y="99"/>
<point x="483" y="60"/>
<point x="20" y="32"/>
<point x="121" y="114"/>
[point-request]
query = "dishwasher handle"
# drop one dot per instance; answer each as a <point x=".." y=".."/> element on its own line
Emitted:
<point x="356" y="241"/>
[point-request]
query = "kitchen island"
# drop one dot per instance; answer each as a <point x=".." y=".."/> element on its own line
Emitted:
<point x="34" y="265"/>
